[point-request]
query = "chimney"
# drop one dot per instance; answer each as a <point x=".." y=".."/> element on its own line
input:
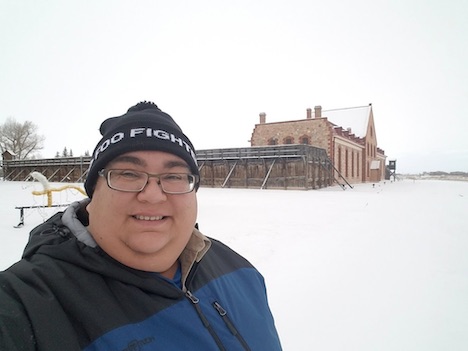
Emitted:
<point x="309" y="113"/>
<point x="318" y="111"/>
<point x="262" y="117"/>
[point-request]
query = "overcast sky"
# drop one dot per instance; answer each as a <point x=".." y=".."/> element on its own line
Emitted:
<point x="215" y="65"/>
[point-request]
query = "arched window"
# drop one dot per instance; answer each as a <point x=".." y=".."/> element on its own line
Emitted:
<point x="288" y="140"/>
<point x="339" y="159"/>
<point x="305" y="139"/>
<point x="272" y="141"/>
<point x="357" y="164"/>
<point x="346" y="163"/>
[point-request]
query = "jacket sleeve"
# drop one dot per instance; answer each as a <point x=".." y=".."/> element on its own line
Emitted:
<point x="15" y="329"/>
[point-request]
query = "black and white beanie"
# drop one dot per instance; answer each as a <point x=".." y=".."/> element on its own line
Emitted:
<point x="143" y="127"/>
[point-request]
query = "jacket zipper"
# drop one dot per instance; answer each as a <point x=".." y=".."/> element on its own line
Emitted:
<point x="222" y="312"/>
<point x="204" y="320"/>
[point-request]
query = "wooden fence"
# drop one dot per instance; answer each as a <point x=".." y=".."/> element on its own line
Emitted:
<point x="272" y="167"/>
<point x="60" y="169"/>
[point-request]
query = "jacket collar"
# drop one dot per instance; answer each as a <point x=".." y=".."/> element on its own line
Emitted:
<point x="196" y="248"/>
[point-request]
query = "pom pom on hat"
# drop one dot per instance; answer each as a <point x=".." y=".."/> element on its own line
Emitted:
<point x="143" y="127"/>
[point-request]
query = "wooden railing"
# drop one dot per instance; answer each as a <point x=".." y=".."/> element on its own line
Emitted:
<point x="293" y="151"/>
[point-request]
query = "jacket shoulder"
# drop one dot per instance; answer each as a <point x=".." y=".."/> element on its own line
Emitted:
<point x="220" y="261"/>
<point x="224" y="255"/>
<point x="51" y="232"/>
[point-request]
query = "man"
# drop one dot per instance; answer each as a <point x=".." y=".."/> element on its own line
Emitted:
<point x="127" y="269"/>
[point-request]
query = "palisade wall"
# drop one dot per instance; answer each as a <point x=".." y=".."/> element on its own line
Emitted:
<point x="268" y="167"/>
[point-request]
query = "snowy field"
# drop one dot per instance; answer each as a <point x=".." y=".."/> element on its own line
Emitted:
<point x="370" y="268"/>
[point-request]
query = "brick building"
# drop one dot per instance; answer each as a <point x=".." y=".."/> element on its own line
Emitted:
<point x="348" y="135"/>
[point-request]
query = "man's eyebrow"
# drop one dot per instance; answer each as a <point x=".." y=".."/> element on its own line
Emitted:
<point x="129" y="159"/>
<point x="176" y="163"/>
<point x="139" y="162"/>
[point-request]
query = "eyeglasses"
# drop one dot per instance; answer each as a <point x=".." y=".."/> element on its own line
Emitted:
<point x="135" y="181"/>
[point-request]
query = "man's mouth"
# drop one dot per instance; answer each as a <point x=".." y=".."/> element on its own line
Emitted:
<point x="148" y="218"/>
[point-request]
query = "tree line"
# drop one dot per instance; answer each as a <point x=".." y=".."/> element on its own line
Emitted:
<point x="23" y="141"/>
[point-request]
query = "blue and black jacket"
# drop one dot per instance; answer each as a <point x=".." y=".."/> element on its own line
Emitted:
<point x="67" y="294"/>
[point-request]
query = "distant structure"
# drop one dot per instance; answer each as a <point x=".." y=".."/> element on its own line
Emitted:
<point x="59" y="169"/>
<point x="326" y="147"/>
<point x="8" y="155"/>
<point x="391" y="170"/>
<point x="348" y="135"/>
<point x="270" y="167"/>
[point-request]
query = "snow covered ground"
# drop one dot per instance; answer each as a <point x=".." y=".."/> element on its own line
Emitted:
<point x="370" y="268"/>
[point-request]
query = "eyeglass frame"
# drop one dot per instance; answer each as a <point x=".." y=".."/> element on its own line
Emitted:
<point x="105" y="173"/>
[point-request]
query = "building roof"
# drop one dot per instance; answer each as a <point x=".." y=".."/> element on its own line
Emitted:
<point x="356" y="118"/>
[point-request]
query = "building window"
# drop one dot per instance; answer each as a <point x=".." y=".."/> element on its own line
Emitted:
<point x="288" y="140"/>
<point x="305" y="140"/>
<point x="339" y="159"/>
<point x="346" y="164"/>
<point x="357" y="164"/>
<point x="272" y="141"/>
<point x="352" y="164"/>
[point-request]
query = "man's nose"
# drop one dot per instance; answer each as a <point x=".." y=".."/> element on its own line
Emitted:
<point x="153" y="191"/>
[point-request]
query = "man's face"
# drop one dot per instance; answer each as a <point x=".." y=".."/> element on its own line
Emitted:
<point x="146" y="230"/>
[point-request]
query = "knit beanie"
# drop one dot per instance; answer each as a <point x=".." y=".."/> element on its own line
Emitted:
<point x="143" y="127"/>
